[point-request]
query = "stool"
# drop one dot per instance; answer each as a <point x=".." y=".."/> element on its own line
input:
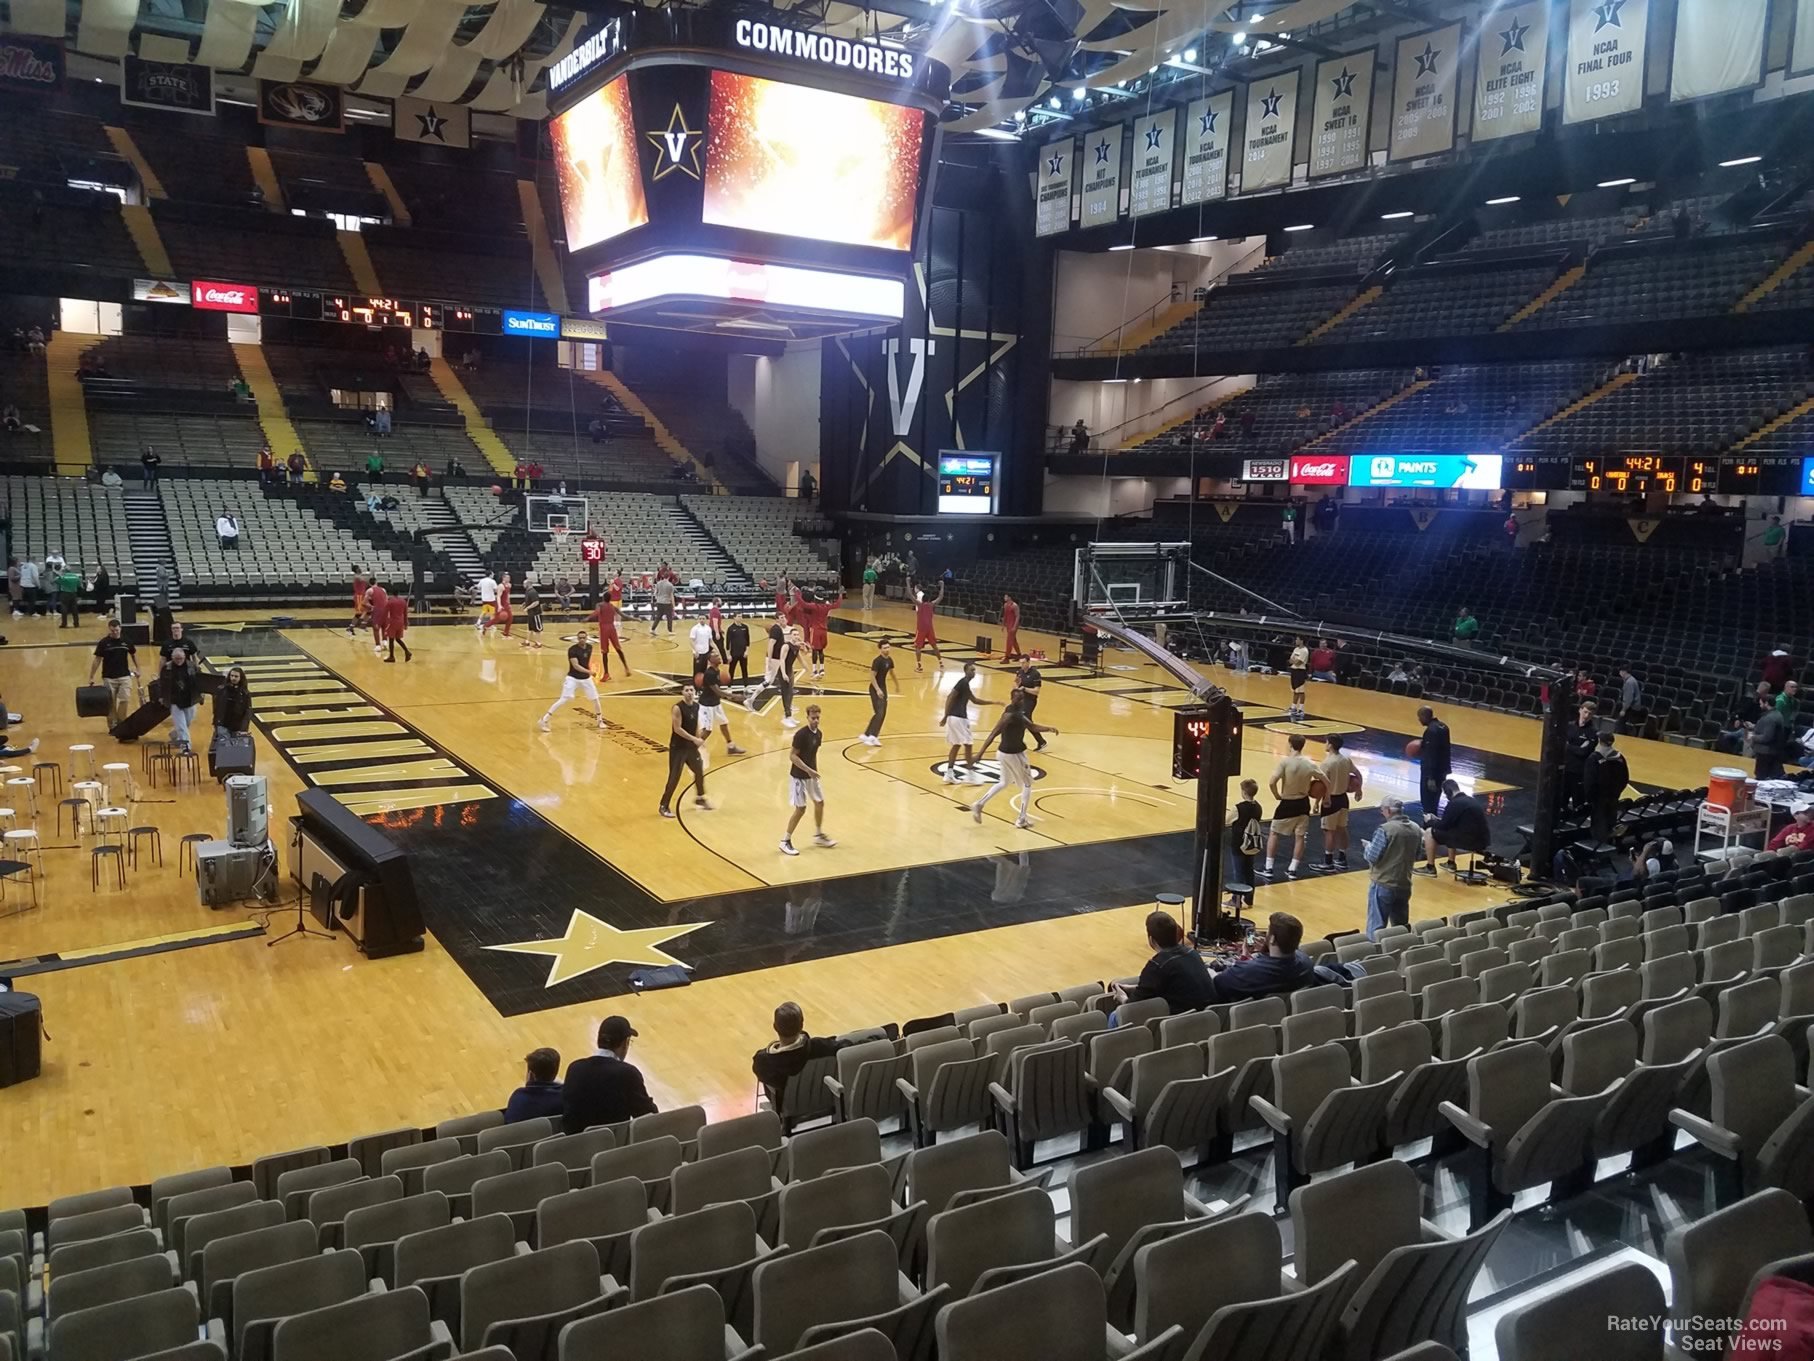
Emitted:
<point x="111" y="822"/>
<point x="91" y="792"/>
<point x="75" y="805"/>
<point x="135" y="834"/>
<point x="185" y="761"/>
<point x="28" y="787"/>
<point x="94" y="866"/>
<point x="151" y="751"/>
<point x="118" y="770"/>
<point x="187" y="846"/>
<point x="22" y="843"/>
<point x="81" y="751"/>
<point x="55" y="770"/>
<point x="9" y="868"/>
<point x="12" y="819"/>
<point x="161" y="756"/>
<point x="1242" y="894"/>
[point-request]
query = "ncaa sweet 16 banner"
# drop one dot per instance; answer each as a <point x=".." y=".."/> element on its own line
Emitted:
<point x="1604" y="74"/>
<point x="1512" y="54"/>
<point x="1102" y="176"/>
<point x="1342" y="113"/>
<point x="1206" y="125"/>
<point x="1155" y="137"/>
<point x="1272" y="123"/>
<point x="1052" y="198"/>
<point x="1719" y="46"/>
<point x="1423" y="94"/>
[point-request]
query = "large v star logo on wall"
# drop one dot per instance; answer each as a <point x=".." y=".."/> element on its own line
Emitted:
<point x="902" y="410"/>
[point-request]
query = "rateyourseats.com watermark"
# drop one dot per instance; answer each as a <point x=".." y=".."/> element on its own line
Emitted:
<point x="1709" y="1336"/>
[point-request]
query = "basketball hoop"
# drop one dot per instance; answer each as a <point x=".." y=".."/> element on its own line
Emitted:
<point x="559" y="531"/>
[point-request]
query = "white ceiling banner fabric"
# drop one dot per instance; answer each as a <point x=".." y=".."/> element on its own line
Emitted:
<point x="1342" y="113"/>
<point x="1207" y="125"/>
<point x="1155" y="148"/>
<point x="1801" y="42"/>
<point x="348" y="53"/>
<point x="1512" y="58"/>
<point x="1271" y="132"/>
<point x="1604" y="73"/>
<point x="1423" y="94"/>
<point x="227" y="36"/>
<point x="1719" y="47"/>
<point x="303" y="32"/>
<point x="421" y="46"/>
<point x="39" y="18"/>
<point x="1102" y="175"/>
<point x="452" y="75"/>
<point x="105" y="29"/>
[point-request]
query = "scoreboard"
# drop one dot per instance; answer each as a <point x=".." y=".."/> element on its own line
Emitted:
<point x="358" y="310"/>
<point x="1766" y="475"/>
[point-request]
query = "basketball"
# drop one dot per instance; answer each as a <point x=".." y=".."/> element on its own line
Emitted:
<point x="1414" y="748"/>
<point x="496" y="490"/>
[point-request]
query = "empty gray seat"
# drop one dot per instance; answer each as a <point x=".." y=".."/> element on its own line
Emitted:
<point x="126" y="1329"/>
<point x="743" y="1174"/>
<point x="1713" y="1260"/>
<point x="688" y="1325"/>
<point x="437" y="1259"/>
<point x="201" y="1230"/>
<point x="226" y="1259"/>
<point x="1057" y="1315"/>
<point x="574" y="1152"/>
<point x="523" y="1302"/>
<point x="947" y="1089"/>
<point x="1322" y="1116"/>
<point x="1044" y="1095"/>
<point x="293" y="1186"/>
<point x="468" y="1128"/>
<point x="516" y="1140"/>
<point x="1133" y="1200"/>
<point x="368" y="1150"/>
<point x="855" y="1278"/>
<point x="651" y="1162"/>
<point x="377" y="1327"/>
<point x="603" y="1215"/>
<point x="327" y="1209"/>
<point x="851" y="1143"/>
<point x="262" y="1297"/>
<point x="761" y="1130"/>
<point x="715" y="1247"/>
<point x="456" y="1177"/>
<point x="1578" y="1319"/>
<point x="408" y="1161"/>
<point x="518" y="1193"/>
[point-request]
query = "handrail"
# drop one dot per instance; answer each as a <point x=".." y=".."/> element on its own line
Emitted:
<point x="1167" y="301"/>
<point x="1194" y="395"/>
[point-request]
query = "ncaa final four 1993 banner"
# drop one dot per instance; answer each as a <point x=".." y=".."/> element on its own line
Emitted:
<point x="1604" y="73"/>
<point x="1272" y="122"/>
<point x="1511" y="56"/>
<point x="1052" y="198"/>
<point x="1341" y="113"/>
<point x="1206" y="132"/>
<point x="1423" y="94"/>
<point x="1155" y="138"/>
<point x="1102" y="175"/>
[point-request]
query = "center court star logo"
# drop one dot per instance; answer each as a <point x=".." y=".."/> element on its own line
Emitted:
<point x="1426" y="59"/>
<point x="1513" y="38"/>
<point x="1269" y="104"/>
<point x="593" y="944"/>
<point x="1208" y="122"/>
<point x="1344" y="84"/>
<point x="1607" y="15"/>
<point x="1102" y="152"/>
<point x="1152" y="138"/>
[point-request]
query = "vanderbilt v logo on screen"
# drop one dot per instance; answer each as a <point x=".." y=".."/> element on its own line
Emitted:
<point x="902" y="407"/>
<point x="677" y="147"/>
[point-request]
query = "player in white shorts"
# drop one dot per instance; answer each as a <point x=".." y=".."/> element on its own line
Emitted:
<point x="1012" y="728"/>
<point x="803" y="785"/>
<point x="957" y="721"/>
<point x="578" y="681"/>
<point x="711" y="702"/>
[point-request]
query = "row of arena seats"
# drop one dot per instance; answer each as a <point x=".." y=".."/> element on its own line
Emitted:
<point x="1265" y="419"/>
<point x="74" y="231"/>
<point x="758" y="532"/>
<point x="1545" y="1037"/>
<point x="1462" y="298"/>
<point x="87" y="524"/>
<point x="280" y="542"/>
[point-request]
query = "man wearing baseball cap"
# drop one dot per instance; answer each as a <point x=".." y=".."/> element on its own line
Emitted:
<point x="606" y="1088"/>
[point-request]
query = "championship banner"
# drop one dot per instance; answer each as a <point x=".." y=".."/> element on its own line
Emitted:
<point x="1272" y="124"/>
<point x="1604" y="74"/>
<point x="1719" y="47"/>
<point x="1511" y="56"/>
<point x="1052" y="201"/>
<point x="1342" y="113"/>
<point x="1423" y="94"/>
<point x="1102" y="176"/>
<point x="424" y="120"/>
<point x="1206" y="124"/>
<point x="302" y="104"/>
<point x="31" y="65"/>
<point x="1801" y="39"/>
<point x="180" y="86"/>
<point x="1155" y="140"/>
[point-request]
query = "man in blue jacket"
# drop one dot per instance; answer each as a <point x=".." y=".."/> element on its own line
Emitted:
<point x="1280" y="968"/>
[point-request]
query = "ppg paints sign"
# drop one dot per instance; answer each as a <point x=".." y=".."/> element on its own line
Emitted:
<point x="872" y="58"/>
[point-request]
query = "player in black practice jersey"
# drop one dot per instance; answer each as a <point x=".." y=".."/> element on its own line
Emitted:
<point x="803" y="785"/>
<point x="686" y="743"/>
<point x="1012" y="728"/>
<point x="881" y="676"/>
<point x="578" y="680"/>
<point x="957" y="721"/>
<point x="711" y="703"/>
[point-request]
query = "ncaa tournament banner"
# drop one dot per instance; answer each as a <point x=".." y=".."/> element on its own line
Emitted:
<point x="1206" y="147"/>
<point x="1801" y="39"/>
<point x="1511" y="57"/>
<point x="1272" y="124"/>
<point x="1341" y="113"/>
<point x="1604" y="73"/>
<point x="1719" y="47"/>
<point x="1102" y="175"/>
<point x="1155" y="138"/>
<point x="1052" y="210"/>
<point x="1423" y="94"/>
<point x="180" y="86"/>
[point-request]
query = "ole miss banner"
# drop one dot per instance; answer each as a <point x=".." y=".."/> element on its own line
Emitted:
<point x="33" y="65"/>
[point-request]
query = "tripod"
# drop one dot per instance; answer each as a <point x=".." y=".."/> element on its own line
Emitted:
<point x="302" y="928"/>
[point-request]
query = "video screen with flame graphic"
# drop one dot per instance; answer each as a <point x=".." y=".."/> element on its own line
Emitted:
<point x="595" y="156"/>
<point x="800" y="161"/>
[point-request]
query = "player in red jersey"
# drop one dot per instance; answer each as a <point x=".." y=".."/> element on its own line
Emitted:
<point x="396" y="624"/>
<point x="504" y="615"/>
<point x="616" y="591"/>
<point x="606" y="615"/>
<point x="1010" y="628"/>
<point x="376" y="601"/>
<point x="925" y="631"/>
<point x="359" y="587"/>
<point x="817" y="615"/>
<point x="714" y="616"/>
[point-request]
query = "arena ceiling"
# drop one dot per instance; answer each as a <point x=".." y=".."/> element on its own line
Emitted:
<point x="1007" y="57"/>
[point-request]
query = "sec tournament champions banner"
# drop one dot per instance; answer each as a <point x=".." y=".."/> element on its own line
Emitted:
<point x="1604" y="74"/>
<point x="1053" y="211"/>
<point x="1423" y="94"/>
<point x="1272" y="121"/>
<point x="1102" y="176"/>
<point x="1719" y="46"/>
<point x="1513" y="53"/>
<point x="1206" y="124"/>
<point x="424" y="120"/>
<point x="302" y="104"/>
<point x="1155" y="139"/>
<point x="176" y="85"/>
<point x="1341" y="113"/>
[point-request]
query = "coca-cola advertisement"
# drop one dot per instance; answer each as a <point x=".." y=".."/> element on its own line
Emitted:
<point x="212" y="296"/>
<point x="35" y="64"/>
<point x="1320" y="470"/>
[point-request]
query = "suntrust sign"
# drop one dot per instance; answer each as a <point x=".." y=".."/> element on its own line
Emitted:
<point x="532" y="324"/>
<point x="778" y="41"/>
<point x="1322" y="470"/>
<point x="212" y="296"/>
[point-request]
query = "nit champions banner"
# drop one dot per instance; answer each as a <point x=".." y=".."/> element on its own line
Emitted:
<point x="1423" y="94"/>
<point x="1155" y="141"/>
<point x="1206" y="124"/>
<point x="1272" y="120"/>
<point x="1604" y="74"/>
<point x="1052" y="211"/>
<point x="1102" y="175"/>
<point x="1342" y="113"/>
<point x="1512" y="55"/>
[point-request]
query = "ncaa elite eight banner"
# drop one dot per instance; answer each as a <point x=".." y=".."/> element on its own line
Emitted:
<point x="1206" y="125"/>
<point x="1423" y="94"/>
<point x="1341" y="113"/>
<point x="1155" y="138"/>
<point x="1604" y="74"/>
<point x="1052" y="211"/>
<point x="1272" y="120"/>
<point x="1102" y="176"/>
<point x="1512" y="51"/>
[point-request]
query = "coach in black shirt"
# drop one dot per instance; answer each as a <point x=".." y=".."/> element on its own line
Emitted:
<point x="604" y="1089"/>
<point x="1176" y="972"/>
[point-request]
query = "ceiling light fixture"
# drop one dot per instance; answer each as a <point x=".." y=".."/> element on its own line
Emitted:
<point x="1240" y="37"/>
<point x="1126" y="245"/>
<point x="1614" y="184"/>
<point x="1393" y="217"/>
<point x="1740" y="160"/>
<point x="1501" y="200"/>
<point x="1196" y="239"/>
<point x="1302" y="227"/>
<point x="1080" y="93"/>
<point x="1190" y="54"/>
<point x="1055" y="103"/>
